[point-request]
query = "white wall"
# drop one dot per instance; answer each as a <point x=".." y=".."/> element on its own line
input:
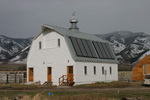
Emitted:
<point x="50" y="41"/>
<point x="49" y="56"/>
<point x="81" y="78"/>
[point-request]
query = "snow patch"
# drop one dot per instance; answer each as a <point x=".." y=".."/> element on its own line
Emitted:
<point x="144" y="55"/>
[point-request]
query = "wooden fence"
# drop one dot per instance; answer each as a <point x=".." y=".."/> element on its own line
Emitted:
<point x="12" y="77"/>
<point x="125" y="75"/>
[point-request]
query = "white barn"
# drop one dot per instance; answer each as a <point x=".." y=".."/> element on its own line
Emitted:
<point x="65" y="56"/>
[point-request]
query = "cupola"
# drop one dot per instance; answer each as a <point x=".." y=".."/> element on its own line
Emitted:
<point x="74" y="22"/>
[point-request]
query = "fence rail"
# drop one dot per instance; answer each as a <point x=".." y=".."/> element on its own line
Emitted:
<point x="12" y="77"/>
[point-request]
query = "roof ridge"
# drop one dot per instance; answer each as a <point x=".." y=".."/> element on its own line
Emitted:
<point x="55" y="26"/>
<point x="68" y="29"/>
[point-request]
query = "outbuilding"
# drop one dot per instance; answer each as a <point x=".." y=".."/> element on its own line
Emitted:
<point x="141" y="69"/>
<point x="67" y="56"/>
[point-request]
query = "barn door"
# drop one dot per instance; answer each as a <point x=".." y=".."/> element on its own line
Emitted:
<point x="70" y="73"/>
<point x="30" y="74"/>
<point x="49" y="74"/>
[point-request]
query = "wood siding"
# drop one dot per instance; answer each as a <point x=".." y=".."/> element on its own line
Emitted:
<point x="138" y="70"/>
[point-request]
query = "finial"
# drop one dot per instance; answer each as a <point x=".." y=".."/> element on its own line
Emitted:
<point x="73" y="14"/>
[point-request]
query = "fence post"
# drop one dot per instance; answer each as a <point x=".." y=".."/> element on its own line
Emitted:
<point x="15" y="77"/>
<point x="7" y="79"/>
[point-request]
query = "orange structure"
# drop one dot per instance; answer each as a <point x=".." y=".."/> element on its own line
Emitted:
<point x="141" y="68"/>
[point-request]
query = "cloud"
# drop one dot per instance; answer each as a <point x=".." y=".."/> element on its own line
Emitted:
<point x="22" y="18"/>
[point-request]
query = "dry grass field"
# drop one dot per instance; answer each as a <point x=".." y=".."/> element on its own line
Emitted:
<point x="12" y="67"/>
<point x="95" y="91"/>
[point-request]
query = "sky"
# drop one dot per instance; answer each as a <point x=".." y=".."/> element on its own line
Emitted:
<point x="23" y="18"/>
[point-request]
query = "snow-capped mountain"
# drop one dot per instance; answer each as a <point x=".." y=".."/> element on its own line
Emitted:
<point x="128" y="46"/>
<point x="12" y="49"/>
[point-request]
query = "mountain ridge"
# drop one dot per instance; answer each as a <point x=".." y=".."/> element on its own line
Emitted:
<point x="11" y="47"/>
<point x="128" y="46"/>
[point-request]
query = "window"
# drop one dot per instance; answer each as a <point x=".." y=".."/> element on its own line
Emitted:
<point x="110" y="70"/>
<point x="147" y="76"/>
<point x="144" y="69"/>
<point x="31" y="71"/>
<point x="94" y="70"/>
<point x="49" y="70"/>
<point x="85" y="70"/>
<point x="58" y="42"/>
<point x="103" y="70"/>
<point x="70" y="69"/>
<point x="40" y="45"/>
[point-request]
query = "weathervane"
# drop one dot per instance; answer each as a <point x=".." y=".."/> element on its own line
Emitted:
<point x="73" y="14"/>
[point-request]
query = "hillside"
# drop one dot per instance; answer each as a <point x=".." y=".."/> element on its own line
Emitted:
<point x="128" y="46"/>
<point x="12" y="49"/>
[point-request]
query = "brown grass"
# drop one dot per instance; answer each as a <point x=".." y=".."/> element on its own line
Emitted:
<point x="37" y="97"/>
<point x="5" y="98"/>
<point x="26" y="97"/>
<point x="115" y="84"/>
<point x="81" y="97"/>
<point x="12" y="67"/>
<point x="19" y="86"/>
<point x="84" y="97"/>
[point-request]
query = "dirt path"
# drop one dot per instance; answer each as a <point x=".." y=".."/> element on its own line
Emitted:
<point x="130" y="89"/>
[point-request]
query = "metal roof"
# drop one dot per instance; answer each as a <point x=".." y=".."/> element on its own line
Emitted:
<point x="80" y="35"/>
